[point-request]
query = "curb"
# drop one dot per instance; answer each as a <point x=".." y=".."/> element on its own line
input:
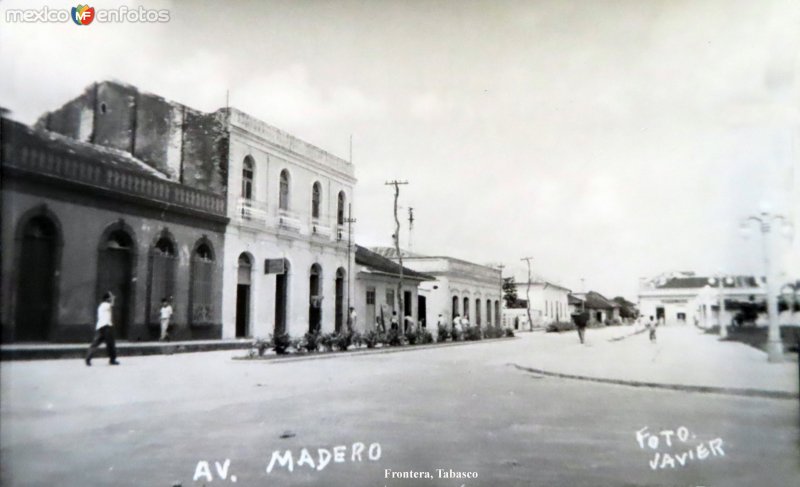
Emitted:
<point x="730" y="391"/>
<point x="366" y="351"/>
<point x="75" y="351"/>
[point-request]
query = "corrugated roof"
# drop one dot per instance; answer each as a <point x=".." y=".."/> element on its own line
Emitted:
<point x="379" y="263"/>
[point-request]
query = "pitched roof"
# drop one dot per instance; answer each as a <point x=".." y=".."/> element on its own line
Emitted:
<point x="573" y="299"/>
<point x="700" y="282"/>
<point x="596" y="300"/>
<point x="381" y="264"/>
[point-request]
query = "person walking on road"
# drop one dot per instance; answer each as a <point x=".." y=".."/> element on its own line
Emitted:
<point x="651" y="326"/>
<point x="581" y="319"/>
<point x="104" y="331"/>
<point x="165" y="314"/>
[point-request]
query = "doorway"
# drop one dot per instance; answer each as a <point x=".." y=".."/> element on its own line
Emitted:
<point x="36" y="283"/>
<point x="243" y="296"/>
<point x="281" y="298"/>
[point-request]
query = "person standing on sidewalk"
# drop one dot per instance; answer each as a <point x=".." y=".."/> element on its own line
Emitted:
<point x="104" y="331"/>
<point x="581" y="319"/>
<point x="651" y="326"/>
<point x="165" y="313"/>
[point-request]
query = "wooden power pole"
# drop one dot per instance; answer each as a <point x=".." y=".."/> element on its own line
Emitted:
<point x="401" y="314"/>
<point x="528" y="292"/>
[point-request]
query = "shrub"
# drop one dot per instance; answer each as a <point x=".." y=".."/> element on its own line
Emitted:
<point x="327" y="340"/>
<point x="393" y="338"/>
<point x="311" y="341"/>
<point x="356" y="339"/>
<point x="473" y="333"/>
<point x="442" y="334"/>
<point x="560" y="326"/>
<point x="509" y="332"/>
<point x="280" y="343"/>
<point x="411" y="336"/>
<point x="373" y="337"/>
<point x="424" y="336"/>
<point x="260" y="346"/>
<point x="593" y="323"/>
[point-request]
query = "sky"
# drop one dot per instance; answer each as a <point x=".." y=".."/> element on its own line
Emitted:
<point x="607" y="140"/>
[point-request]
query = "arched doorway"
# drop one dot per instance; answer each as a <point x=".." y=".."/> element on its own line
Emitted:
<point x="161" y="281"/>
<point x="281" y="298"/>
<point x="243" y="296"/>
<point x="455" y="307"/>
<point x="489" y="312"/>
<point x="315" y="300"/>
<point x="201" y="292"/>
<point x="466" y="308"/>
<point x="38" y="243"/>
<point x="339" y="307"/>
<point x="478" y="311"/>
<point x="115" y="273"/>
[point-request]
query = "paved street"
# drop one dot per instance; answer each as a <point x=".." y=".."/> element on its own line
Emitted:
<point x="151" y="420"/>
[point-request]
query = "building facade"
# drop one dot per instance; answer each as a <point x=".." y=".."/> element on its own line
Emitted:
<point x="377" y="280"/>
<point x="286" y="249"/>
<point x="80" y="219"/>
<point x="548" y="303"/>
<point x="461" y="288"/>
<point x="285" y="259"/>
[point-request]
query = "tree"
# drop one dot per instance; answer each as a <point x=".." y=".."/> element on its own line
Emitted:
<point x="509" y="291"/>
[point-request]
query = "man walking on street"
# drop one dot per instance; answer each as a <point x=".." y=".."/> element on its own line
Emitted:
<point x="651" y="325"/>
<point x="581" y="319"/>
<point x="104" y="331"/>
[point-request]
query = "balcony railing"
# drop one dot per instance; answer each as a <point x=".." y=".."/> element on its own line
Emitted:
<point x="251" y="212"/>
<point x="87" y="171"/>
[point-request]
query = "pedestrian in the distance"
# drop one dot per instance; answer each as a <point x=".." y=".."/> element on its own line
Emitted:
<point x="457" y="328"/>
<point x="581" y="319"/>
<point x="395" y="321"/>
<point x="651" y="326"/>
<point x="104" y="331"/>
<point x="165" y="314"/>
<point x="352" y="319"/>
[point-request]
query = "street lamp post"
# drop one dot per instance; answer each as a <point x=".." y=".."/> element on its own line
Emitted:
<point x="719" y="280"/>
<point x="764" y="222"/>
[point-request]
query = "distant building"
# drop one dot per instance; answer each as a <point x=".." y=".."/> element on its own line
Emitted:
<point x="460" y="288"/>
<point x="600" y="308"/>
<point x="549" y="304"/>
<point x="376" y="296"/>
<point x="684" y="298"/>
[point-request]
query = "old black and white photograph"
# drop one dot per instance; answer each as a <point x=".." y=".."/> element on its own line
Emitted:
<point x="400" y="243"/>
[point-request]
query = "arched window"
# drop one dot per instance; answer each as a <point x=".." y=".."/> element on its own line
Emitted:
<point x="340" y="208"/>
<point x="247" y="178"/>
<point x="201" y="300"/>
<point x="283" y="194"/>
<point x="316" y="199"/>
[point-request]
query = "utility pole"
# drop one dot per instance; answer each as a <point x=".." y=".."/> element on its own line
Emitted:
<point x="528" y="292"/>
<point x="497" y="318"/>
<point x="350" y="220"/>
<point x="401" y="314"/>
<point x="410" y="225"/>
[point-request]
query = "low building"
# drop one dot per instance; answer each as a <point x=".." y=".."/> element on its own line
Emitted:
<point x="461" y="287"/>
<point x="600" y="308"/>
<point x="377" y="280"/>
<point x="81" y="219"/>
<point x="687" y="298"/>
<point x="549" y="304"/>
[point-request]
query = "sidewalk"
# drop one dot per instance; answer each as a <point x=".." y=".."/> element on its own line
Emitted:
<point x="682" y="358"/>
<point x="47" y="351"/>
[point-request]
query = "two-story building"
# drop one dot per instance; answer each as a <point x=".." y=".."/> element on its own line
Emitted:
<point x="285" y="260"/>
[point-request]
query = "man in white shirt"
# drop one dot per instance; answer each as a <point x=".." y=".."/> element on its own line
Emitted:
<point x="104" y="331"/>
<point x="165" y="314"/>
